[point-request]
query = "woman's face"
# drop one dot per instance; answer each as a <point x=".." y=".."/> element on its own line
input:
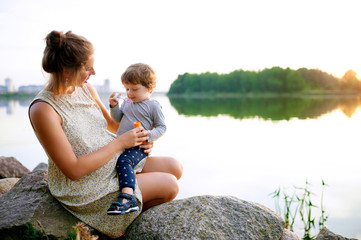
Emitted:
<point x="86" y="71"/>
<point x="136" y="92"/>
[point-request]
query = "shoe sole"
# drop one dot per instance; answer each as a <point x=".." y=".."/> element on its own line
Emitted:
<point x="114" y="213"/>
<point x="134" y="209"/>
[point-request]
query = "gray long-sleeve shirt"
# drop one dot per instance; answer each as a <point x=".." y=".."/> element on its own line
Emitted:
<point x="147" y="112"/>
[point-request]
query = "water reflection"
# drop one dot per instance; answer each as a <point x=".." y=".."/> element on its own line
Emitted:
<point x="9" y="104"/>
<point x="271" y="108"/>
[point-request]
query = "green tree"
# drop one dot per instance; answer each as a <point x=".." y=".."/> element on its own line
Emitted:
<point x="294" y="81"/>
<point x="275" y="79"/>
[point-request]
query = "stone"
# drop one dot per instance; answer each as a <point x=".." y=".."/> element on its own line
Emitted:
<point x="30" y="201"/>
<point x="41" y="166"/>
<point x="207" y="217"/>
<point x="199" y="217"/>
<point x="11" y="168"/>
<point x="6" y="184"/>
<point x="288" y="235"/>
<point x="326" y="234"/>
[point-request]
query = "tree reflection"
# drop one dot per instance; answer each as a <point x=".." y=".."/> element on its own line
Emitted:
<point x="268" y="108"/>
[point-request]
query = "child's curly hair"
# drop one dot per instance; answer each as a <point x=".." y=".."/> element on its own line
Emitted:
<point x="140" y="73"/>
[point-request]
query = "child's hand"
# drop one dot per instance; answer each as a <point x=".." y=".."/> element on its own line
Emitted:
<point x="113" y="100"/>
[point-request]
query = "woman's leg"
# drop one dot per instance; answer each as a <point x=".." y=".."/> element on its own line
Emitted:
<point x="157" y="188"/>
<point x="163" y="164"/>
<point x="158" y="180"/>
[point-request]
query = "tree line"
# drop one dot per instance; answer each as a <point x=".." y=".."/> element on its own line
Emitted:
<point x="272" y="80"/>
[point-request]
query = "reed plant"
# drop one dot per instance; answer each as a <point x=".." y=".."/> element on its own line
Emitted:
<point x="299" y="205"/>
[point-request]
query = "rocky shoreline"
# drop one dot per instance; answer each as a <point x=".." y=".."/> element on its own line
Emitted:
<point x="25" y="198"/>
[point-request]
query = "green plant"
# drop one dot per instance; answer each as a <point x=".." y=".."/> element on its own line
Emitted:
<point x="305" y="210"/>
<point x="30" y="232"/>
<point x="323" y="217"/>
<point x="72" y="236"/>
<point x="299" y="204"/>
<point x="288" y="202"/>
<point x="82" y="233"/>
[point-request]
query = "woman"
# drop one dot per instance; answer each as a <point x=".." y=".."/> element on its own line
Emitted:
<point x="73" y="127"/>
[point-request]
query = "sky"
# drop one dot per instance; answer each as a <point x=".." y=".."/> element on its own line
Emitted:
<point x="175" y="37"/>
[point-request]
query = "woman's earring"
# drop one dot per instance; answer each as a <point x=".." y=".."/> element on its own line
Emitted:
<point x="66" y="82"/>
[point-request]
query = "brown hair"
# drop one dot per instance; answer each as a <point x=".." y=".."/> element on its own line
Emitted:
<point x="64" y="52"/>
<point x="140" y="73"/>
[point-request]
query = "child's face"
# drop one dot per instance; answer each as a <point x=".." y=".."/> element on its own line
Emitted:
<point x="136" y="92"/>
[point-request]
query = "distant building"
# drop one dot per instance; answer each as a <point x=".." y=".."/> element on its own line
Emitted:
<point x="30" y="88"/>
<point x="9" y="86"/>
<point x="105" y="88"/>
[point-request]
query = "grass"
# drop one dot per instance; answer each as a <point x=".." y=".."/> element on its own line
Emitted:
<point x="299" y="206"/>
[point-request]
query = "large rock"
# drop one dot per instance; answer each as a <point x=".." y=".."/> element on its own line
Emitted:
<point x="201" y="217"/>
<point x="30" y="201"/>
<point x="326" y="234"/>
<point x="11" y="168"/>
<point x="207" y="217"/>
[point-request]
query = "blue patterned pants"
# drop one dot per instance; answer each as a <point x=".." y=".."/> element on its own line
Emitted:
<point x="125" y="166"/>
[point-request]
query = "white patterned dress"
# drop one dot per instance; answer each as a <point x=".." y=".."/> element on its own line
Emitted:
<point x="89" y="197"/>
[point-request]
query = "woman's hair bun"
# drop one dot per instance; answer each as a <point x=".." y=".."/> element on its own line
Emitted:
<point x="55" y="39"/>
<point x="65" y="51"/>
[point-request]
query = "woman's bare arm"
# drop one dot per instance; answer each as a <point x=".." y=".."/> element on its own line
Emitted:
<point x="112" y="125"/>
<point x="47" y="125"/>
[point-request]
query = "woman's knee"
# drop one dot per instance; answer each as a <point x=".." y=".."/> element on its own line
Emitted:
<point x="160" y="186"/>
<point x="172" y="187"/>
<point x="176" y="167"/>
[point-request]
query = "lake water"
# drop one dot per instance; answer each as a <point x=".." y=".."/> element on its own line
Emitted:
<point x="247" y="148"/>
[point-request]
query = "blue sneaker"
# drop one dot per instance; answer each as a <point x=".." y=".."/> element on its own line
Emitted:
<point x="119" y="208"/>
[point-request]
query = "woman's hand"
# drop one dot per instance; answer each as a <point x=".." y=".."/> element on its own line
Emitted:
<point x="113" y="101"/>
<point x="134" y="137"/>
